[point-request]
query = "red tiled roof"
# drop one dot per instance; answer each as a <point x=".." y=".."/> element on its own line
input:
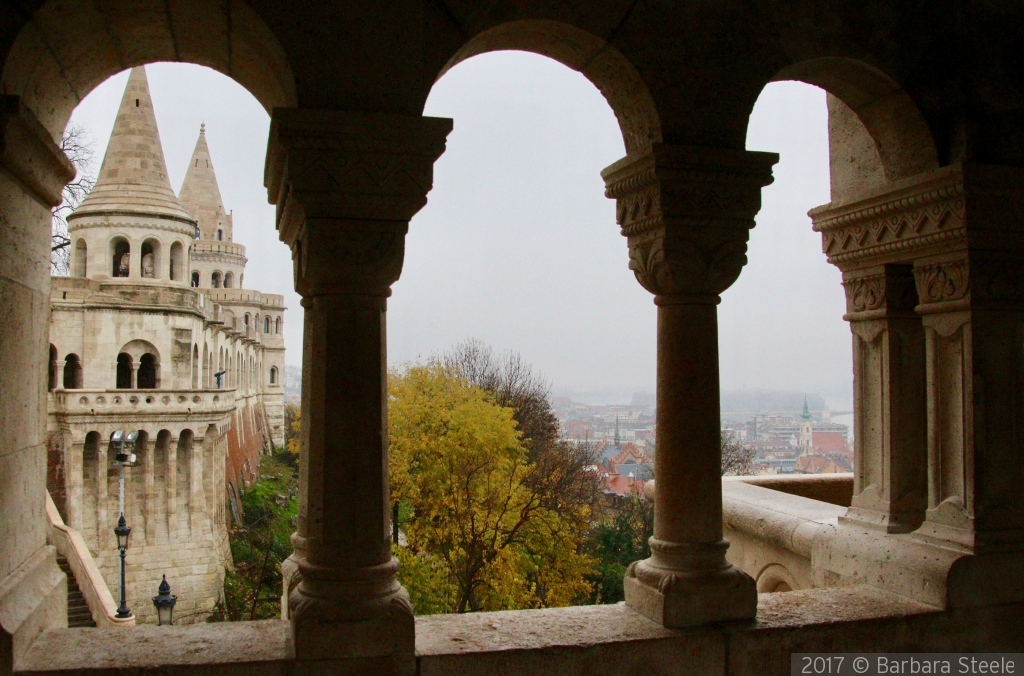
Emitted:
<point x="827" y="442"/>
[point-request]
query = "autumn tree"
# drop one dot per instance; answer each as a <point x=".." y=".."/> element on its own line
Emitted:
<point x="484" y="532"/>
<point x="79" y="148"/>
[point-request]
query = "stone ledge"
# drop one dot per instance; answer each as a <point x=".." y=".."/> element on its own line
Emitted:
<point x="587" y="640"/>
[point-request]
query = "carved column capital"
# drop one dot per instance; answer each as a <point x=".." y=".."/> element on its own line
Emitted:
<point x="345" y="186"/>
<point x="686" y="213"/>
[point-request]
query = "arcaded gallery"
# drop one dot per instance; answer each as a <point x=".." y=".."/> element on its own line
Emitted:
<point x="921" y="549"/>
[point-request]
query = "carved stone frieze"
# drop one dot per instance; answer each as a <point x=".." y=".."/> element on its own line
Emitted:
<point x="686" y="213"/>
<point x="940" y="282"/>
<point x="891" y="290"/>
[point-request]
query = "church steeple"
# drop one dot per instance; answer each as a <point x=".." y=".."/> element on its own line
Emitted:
<point x="806" y="415"/>
<point x="200" y="194"/>
<point x="133" y="176"/>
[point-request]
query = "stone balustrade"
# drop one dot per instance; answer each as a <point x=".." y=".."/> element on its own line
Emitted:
<point x="119" y="402"/>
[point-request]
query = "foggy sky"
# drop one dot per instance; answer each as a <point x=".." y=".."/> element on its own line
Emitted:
<point x="518" y="245"/>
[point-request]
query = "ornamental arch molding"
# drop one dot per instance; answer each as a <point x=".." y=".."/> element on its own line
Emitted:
<point x="52" y="68"/>
<point x="900" y="137"/>
<point x="597" y="60"/>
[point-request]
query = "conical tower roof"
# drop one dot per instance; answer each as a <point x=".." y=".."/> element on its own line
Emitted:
<point x="133" y="176"/>
<point x="200" y="194"/>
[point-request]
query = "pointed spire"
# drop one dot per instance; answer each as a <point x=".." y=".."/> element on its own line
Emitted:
<point x="133" y="176"/>
<point x="806" y="415"/>
<point x="200" y="194"/>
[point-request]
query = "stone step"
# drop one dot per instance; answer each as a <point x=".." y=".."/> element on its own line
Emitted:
<point x="79" y="614"/>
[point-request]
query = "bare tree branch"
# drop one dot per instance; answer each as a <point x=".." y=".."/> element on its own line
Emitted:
<point x="79" y="147"/>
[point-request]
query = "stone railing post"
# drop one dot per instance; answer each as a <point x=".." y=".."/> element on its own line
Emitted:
<point x="686" y="213"/>
<point x="346" y="186"/>
<point x="889" y="399"/>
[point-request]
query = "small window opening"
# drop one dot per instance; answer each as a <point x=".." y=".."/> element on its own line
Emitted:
<point x="220" y="235"/>
<point x="136" y="103"/>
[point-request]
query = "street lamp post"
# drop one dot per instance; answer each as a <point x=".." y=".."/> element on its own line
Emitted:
<point x="123" y="445"/>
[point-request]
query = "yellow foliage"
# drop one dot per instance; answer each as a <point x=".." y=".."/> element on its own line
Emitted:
<point x="481" y="537"/>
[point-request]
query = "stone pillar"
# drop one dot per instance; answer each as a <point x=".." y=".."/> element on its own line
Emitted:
<point x="33" y="171"/>
<point x="686" y="213"/>
<point x="345" y="186"/>
<point x="958" y="229"/>
<point x="148" y="490"/>
<point x="889" y="399"/>
<point x="171" y="490"/>
<point x="102" y="522"/>
<point x="75" y="461"/>
<point x="196" y="490"/>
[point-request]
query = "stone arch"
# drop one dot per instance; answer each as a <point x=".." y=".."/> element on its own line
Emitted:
<point x="144" y="356"/>
<point x="901" y="139"/>
<point x="175" y="272"/>
<point x="195" y="279"/>
<point x="229" y="279"/>
<point x="215" y="280"/>
<point x="125" y="373"/>
<point x="266" y="324"/>
<point x="120" y="256"/>
<point x="206" y="366"/>
<point x="776" y="578"/>
<point x="183" y="479"/>
<point x="152" y="253"/>
<point x="597" y="60"/>
<point x="81" y="258"/>
<point x="53" y="369"/>
<point x="72" y="372"/>
<point x="148" y="377"/>
<point x="273" y="375"/>
<point x="195" y="367"/>
<point x="52" y="68"/>
<point x="277" y="327"/>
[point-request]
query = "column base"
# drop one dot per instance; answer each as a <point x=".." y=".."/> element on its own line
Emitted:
<point x="677" y="598"/>
<point x="365" y="619"/>
<point x="881" y="521"/>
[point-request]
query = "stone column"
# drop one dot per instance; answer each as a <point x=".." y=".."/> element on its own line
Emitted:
<point x="686" y="213"/>
<point x="103" y="524"/>
<point x="345" y="186"/>
<point x="889" y="399"/>
<point x="148" y="489"/>
<point x="171" y="490"/>
<point x="75" y="460"/>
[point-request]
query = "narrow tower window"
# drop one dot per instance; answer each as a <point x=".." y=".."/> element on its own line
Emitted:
<point x="136" y="103"/>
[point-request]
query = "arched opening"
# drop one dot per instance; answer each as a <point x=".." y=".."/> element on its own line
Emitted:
<point x="220" y="235"/>
<point x="206" y="366"/>
<point x="125" y="371"/>
<point x="273" y="375"/>
<point x="195" y="279"/>
<point x="245" y="320"/>
<point x="150" y="258"/>
<point x="177" y="262"/>
<point x="53" y="369"/>
<point x="215" y="280"/>
<point x="266" y="324"/>
<point x="72" y="372"/>
<point x="149" y="372"/>
<point x="195" y="367"/>
<point x="81" y="258"/>
<point x="277" y="326"/>
<point x="120" y="257"/>
<point x="229" y="280"/>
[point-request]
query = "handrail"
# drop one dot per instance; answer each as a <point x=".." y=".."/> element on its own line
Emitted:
<point x="70" y="544"/>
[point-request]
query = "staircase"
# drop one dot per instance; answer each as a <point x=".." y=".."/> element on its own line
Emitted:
<point x="78" y="611"/>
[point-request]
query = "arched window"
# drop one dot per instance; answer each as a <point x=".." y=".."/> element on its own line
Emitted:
<point x="195" y="367"/>
<point x="247" y="319"/>
<point x="195" y="279"/>
<point x="215" y="280"/>
<point x="72" y="373"/>
<point x="273" y="375"/>
<point x="177" y="256"/>
<point x="81" y="257"/>
<point x="220" y="235"/>
<point x="124" y="371"/>
<point x="266" y="324"/>
<point x="206" y="366"/>
<point x="149" y="372"/>
<point x="120" y="257"/>
<point x="229" y="280"/>
<point x="54" y="367"/>
<point x="150" y="268"/>
<point x="277" y="328"/>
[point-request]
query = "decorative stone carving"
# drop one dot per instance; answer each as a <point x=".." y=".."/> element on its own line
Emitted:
<point x="148" y="266"/>
<point x="686" y="213"/>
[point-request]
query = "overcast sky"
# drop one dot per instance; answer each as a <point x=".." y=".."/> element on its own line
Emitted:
<point x="518" y="245"/>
